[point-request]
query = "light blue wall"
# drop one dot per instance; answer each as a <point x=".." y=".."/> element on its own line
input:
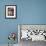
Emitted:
<point x="28" y="12"/>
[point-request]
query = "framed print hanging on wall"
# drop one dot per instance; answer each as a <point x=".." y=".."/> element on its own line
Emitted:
<point x="10" y="11"/>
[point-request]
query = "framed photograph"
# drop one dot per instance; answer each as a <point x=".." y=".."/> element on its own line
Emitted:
<point x="10" y="11"/>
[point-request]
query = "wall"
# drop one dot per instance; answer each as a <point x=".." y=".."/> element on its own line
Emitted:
<point x="28" y="12"/>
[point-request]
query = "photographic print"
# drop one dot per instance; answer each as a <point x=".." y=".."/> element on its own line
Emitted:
<point x="10" y="11"/>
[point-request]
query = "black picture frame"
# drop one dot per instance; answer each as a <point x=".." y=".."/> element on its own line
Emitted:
<point x="10" y="11"/>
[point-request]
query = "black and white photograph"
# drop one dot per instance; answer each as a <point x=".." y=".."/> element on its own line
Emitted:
<point x="10" y="11"/>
